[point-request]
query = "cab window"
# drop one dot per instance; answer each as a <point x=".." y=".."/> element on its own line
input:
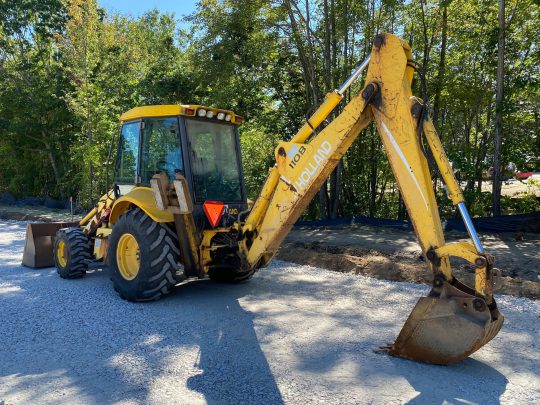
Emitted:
<point x="128" y="153"/>
<point x="214" y="161"/>
<point x="160" y="148"/>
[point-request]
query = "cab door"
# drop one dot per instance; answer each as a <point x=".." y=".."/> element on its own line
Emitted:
<point x="127" y="161"/>
<point x="160" y="149"/>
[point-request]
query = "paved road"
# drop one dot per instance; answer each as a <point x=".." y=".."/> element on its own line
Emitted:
<point x="293" y="334"/>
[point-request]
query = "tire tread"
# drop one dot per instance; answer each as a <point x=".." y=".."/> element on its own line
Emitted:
<point x="79" y="252"/>
<point x="158" y="277"/>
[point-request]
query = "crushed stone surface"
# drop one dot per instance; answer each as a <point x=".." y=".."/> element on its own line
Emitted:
<point x="293" y="334"/>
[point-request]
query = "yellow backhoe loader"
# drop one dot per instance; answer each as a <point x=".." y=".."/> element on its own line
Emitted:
<point x="178" y="209"/>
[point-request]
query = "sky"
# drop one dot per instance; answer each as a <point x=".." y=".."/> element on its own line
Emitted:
<point x="138" y="7"/>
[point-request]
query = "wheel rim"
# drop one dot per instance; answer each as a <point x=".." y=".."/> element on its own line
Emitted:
<point x="127" y="256"/>
<point x="61" y="253"/>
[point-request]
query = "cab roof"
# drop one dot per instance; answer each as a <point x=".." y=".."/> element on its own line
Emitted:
<point x="189" y="110"/>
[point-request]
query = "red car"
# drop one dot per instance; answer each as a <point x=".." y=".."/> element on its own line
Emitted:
<point x="523" y="175"/>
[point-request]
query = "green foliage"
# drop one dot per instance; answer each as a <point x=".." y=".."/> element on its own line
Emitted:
<point x="69" y="68"/>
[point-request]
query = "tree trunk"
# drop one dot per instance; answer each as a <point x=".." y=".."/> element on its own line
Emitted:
<point x="334" y="45"/>
<point x="442" y="67"/>
<point x="54" y="166"/>
<point x="327" y="58"/>
<point x="308" y="70"/>
<point x="335" y="184"/>
<point x="373" y="174"/>
<point x="312" y="96"/>
<point x="499" y="97"/>
<point x="335" y="178"/>
<point x="425" y="56"/>
<point x="402" y="214"/>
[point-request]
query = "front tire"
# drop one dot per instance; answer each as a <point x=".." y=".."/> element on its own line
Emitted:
<point x="72" y="253"/>
<point x="143" y="257"/>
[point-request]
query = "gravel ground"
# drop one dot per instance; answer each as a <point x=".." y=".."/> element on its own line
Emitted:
<point x="294" y="334"/>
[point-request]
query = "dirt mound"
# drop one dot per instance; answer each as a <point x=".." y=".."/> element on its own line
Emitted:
<point x="401" y="266"/>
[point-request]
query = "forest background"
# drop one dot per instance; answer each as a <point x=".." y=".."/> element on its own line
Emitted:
<point x="68" y="69"/>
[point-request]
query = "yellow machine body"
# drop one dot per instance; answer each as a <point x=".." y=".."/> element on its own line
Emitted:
<point x="172" y="110"/>
<point x="451" y="323"/>
<point x="141" y="197"/>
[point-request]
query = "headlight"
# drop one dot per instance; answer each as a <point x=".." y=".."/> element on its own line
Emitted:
<point x="220" y="116"/>
<point x="201" y="112"/>
<point x="228" y="117"/>
<point x="209" y="114"/>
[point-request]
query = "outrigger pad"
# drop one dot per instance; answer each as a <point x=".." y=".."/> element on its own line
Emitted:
<point x="38" y="247"/>
<point x="448" y="328"/>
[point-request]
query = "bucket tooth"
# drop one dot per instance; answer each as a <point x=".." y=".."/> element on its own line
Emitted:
<point x="447" y="328"/>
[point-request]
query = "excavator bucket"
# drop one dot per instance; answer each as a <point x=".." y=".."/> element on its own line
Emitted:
<point x="38" y="247"/>
<point x="447" y="326"/>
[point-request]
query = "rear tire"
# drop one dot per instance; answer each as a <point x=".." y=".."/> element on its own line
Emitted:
<point x="153" y="273"/>
<point x="72" y="253"/>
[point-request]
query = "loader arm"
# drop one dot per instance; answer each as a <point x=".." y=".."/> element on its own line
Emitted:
<point x="454" y="320"/>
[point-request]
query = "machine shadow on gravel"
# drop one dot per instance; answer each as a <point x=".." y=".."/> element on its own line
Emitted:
<point x="230" y="366"/>
<point x="471" y="382"/>
<point x="233" y="366"/>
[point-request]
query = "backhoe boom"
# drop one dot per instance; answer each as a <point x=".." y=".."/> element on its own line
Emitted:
<point x="454" y="320"/>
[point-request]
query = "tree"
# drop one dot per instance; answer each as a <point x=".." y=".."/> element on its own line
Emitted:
<point x="70" y="68"/>
<point x="497" y="152"/>
<point x="35" y="126"/>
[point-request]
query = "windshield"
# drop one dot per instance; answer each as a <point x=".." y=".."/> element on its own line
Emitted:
<point x="214" y="161"/>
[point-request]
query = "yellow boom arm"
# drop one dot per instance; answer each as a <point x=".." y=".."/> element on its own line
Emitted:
<point x="303" y="165"/>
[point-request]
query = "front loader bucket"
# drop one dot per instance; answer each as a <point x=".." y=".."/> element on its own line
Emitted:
<point x="446" y="327"/>
<point x="38" y="247"/>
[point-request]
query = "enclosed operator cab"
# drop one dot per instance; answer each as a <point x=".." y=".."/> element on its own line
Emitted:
<point x="200" y="143"/>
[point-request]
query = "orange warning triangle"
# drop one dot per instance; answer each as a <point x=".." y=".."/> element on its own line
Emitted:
<point x="214" y="211"/>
